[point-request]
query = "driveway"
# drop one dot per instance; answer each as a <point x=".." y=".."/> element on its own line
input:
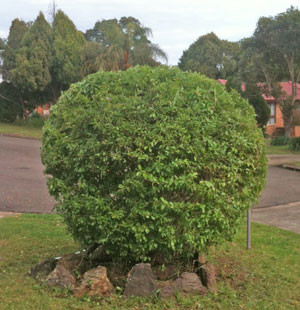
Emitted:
<point x="23" y="186"/>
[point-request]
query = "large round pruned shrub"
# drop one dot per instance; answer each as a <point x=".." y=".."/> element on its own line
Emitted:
<point x="152" y="160"/>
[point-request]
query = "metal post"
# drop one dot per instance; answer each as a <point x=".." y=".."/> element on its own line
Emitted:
<point x="249" y="229"/>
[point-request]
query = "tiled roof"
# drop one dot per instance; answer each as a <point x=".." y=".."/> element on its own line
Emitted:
<point x="285" y="86"/>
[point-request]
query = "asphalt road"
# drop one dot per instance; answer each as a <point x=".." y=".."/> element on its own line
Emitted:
<point x="283" y="186"/>
<point x="22" y="182"/>
<point x="23" y="186"/>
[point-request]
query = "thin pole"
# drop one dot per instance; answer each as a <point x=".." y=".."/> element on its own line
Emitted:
<point x="249" y="229"/>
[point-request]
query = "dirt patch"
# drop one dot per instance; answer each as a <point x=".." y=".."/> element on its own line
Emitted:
<point x="230" y="270"/>
<point x="6" y="214"/>
<point x="3" y="243"/>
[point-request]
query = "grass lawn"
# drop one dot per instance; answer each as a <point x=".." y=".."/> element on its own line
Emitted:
<point x="278" y="149"/>
<point x="265" y="277"/>
<point x="20" y="131"/>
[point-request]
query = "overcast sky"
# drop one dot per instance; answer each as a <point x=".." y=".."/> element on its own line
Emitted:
<point x="175" y="23"/>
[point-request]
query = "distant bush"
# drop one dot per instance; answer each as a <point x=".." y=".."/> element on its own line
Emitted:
<point x="35" y="120"/>
<point x="152" y="161"/>
<point x="294" y="144"/>
<point x="280" y="140"/>
<point x="10" y="103"/>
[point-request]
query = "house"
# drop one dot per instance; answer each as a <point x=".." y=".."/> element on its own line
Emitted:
<point x="43" y="110"/>
<point x="275" y="124"/>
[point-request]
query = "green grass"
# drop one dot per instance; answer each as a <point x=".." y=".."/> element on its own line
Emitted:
<point x="20" y="131"/>
<point x="265" y="277"/>
<point x="278" y="149"/>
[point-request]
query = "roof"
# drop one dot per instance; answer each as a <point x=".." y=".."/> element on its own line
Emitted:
<point x="285" y="86"/>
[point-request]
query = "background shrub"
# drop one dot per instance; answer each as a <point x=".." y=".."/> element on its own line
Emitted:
<point x="10" y="103"/>
<point x="294" y="144"/>
<point x="152" y="160"/>
<point x="280" y="140"/>
<point x="35" y="120"/>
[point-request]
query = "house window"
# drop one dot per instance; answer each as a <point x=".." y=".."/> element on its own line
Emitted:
<point x="272" y="113"/>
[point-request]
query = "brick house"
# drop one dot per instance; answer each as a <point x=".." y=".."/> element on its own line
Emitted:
<point x="275" y="124"/>
<point x="43" y="110"/>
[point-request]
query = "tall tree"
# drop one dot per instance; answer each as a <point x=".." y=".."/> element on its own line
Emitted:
<point x="66" y="50"/>
<point x="32" y="72"/>
<point x="17" y="31"/>
<point x="123" y="44"/>
<point x="33" y="58"/>
<point x="2" y="44"/>
<point x="277" y="40"/>
<point x="211" y="56"/>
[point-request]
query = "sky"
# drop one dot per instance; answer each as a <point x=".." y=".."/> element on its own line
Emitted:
<point x="175" y="24"/>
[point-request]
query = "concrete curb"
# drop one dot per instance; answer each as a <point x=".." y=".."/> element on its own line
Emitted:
<point x="17" y="136"/>
<point x="284" y="206"/>
<point x="291" y="167"/>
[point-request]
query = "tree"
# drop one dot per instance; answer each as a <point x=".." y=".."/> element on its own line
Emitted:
<point x="123" y="44"/>
<point x="32" y="71"/>
<point x="253" y="93"/>
<point x="17" y="31"/>
<point x="277" y="41"/>
<point x="254" y="96"/>
<point x="2" y="44"/>
<point x="211" y="56"/>
<point x="11" y="102"/>
<point x="66" y="50"/>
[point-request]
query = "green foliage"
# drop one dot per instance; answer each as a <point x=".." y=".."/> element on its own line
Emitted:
<point x="253" y="94"/>
<point x="280" y="140"/>
<point x="35" y="120"/>
<point x="234" y="83"/>
<point x="17" y="31"/>
<point x="152" y="160"/>
<point x="294" y="144"/>
<point x="10" y="103"/>
<point x="2" y="44"/>
<point x="32" y="71"/>
<point x="277" y="42"/>
<point x="122" y="44"/>
<point x="66" y="49"/>
<point x="211" y="56"/>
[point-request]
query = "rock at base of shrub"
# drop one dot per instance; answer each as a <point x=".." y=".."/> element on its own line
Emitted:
<point x="140" y="281"/>
<point x="187" y="283"/>
<point x="95" y="283"/>
<point x="40" y="271"/>
<point x="163" y="275"/>
<point x="208" y="277"/>
<point x="60" y="277"/>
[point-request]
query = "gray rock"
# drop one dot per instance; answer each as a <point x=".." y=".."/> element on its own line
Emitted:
<point x="187" y="283"/>
<point x="60" y="277"/>
<point x="140" y="281"/>
<point x="208" y="277"/>
<point x="190" y="283"/>
<point x="40" y="271"/>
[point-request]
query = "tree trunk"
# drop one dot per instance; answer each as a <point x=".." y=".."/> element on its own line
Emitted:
<point x="287" y="128"/>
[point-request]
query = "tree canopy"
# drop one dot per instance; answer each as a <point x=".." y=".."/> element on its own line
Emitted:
<point x="66" y="50"/>
<point x="32" y="71"/>
<point x="17" y="31"/>
<point x="122" y="44"/>
<point x="276" y="42"/>
<point x="211" y="56"/>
